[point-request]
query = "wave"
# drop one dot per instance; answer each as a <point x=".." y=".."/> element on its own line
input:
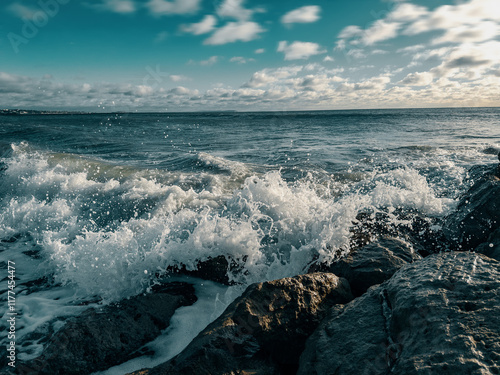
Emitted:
<point x="110" y="230"/>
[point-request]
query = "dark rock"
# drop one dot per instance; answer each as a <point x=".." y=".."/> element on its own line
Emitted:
<point x="263" y="331"/>
<point x="491" y="248"/>
<point x="373" y="263"/>
<point x="368" y="226"/>
<point x="101" y="338"/>
<point x="440" y="315"/>
<point x="477" y="214"/>
<point x="213" y="269"/>
<point x="407" y="224"/>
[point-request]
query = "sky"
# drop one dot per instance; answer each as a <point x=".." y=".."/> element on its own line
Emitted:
<point x="248" y="55"/>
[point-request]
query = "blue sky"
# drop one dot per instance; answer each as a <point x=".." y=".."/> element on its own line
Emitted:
<point x="190" y="55"/>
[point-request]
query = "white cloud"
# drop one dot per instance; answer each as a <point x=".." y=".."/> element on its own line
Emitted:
<point x="417" y="79"/>
<point x="163" y="7"/>
<point x="210" y="61"/>
<point x="315" y="82"/>
<point x="470" y="56"/>
<point x="267" y="76"/>
<point x="467" y="22"/>
<point x="206" y="25"/>
<point x="177" y="78"/>
<point x="450" y="16"/>
<point x="235" y="31"/>
<point x="351" y="32"/>
<point x="436" y="53"/>
<point x="143" y="90"/>
<point x="299" y="50"/>
<point x="259" y="51"/>
<point x="328" y="59"/>
<point x="407" y="12"/>
<point x="356" y="53"/>
<point x="376" y="84"/>
<point x="411" y="49"/>
<point x="483" y="31"/>
<point x="180" y="90"/>
<point x="380" y="31"/>
<point x="465" y="62"/>
<point x="305" y="14"/>
<point x="234" y="9"/>
<point x="241" y="60"/>
<point x="292" y="87"/>
<point x="116" y="6"/>
<point x="10" y="83"/>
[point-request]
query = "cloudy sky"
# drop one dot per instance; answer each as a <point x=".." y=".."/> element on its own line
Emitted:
<point x="189" y="55"/>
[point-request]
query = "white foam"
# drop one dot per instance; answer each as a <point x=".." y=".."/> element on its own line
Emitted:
<point x="101" y="228"/>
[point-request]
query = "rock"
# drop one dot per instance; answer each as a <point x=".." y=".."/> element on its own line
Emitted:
<point x="263" y="331"/>
<point x="491" y="248"/>
<point x="440" y="315"/>
<point x="477" y="214"/>
<point x="409" y="225"/>
<point x="101" y="338"/>
<point x="214" y="269"/>
<point x="374" y="263"/>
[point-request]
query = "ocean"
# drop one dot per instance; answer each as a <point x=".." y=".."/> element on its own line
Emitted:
<point x="99" y="207"/>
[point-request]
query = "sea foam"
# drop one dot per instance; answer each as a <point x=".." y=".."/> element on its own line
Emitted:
<point x="109" y="230"/>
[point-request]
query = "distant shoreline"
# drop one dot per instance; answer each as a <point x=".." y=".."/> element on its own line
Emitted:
<point x="28" y="112"/>
<point x="24" y="112"/>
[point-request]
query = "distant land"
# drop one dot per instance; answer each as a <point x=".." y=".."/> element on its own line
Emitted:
<point x="20" y="112"/>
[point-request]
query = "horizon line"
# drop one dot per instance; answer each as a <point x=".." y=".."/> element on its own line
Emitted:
<point x="81" y="112"/>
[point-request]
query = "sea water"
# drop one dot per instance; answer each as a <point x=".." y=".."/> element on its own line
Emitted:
<point x="95" y="208"/>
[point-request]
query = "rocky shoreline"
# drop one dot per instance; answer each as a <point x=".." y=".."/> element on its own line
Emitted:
<point x="390" y="306"/>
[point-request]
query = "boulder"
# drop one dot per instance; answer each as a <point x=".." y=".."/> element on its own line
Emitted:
<point x="215" y="269"/>
<point x="440" y="315"/>
<point x="477" y="214"/>
<point x="374" y="263"/>
<point x="491" y="247"/>
<point x="100" y="338"/>
<point x="407" y="224"/>
<point x="263" y="331"/>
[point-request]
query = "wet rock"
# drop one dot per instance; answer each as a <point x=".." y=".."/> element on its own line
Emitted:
<point x="368" y="226"/>
<point x="491" y="248"/>
<point x="374" y="263"/>
<point x="440" y="315"/>
<point x="477" y="214"/>
<point x="214" y="269"/>
<point x="263" y="331"/>
<point x="409" y="225"/>
<point x="104" y="337"/>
